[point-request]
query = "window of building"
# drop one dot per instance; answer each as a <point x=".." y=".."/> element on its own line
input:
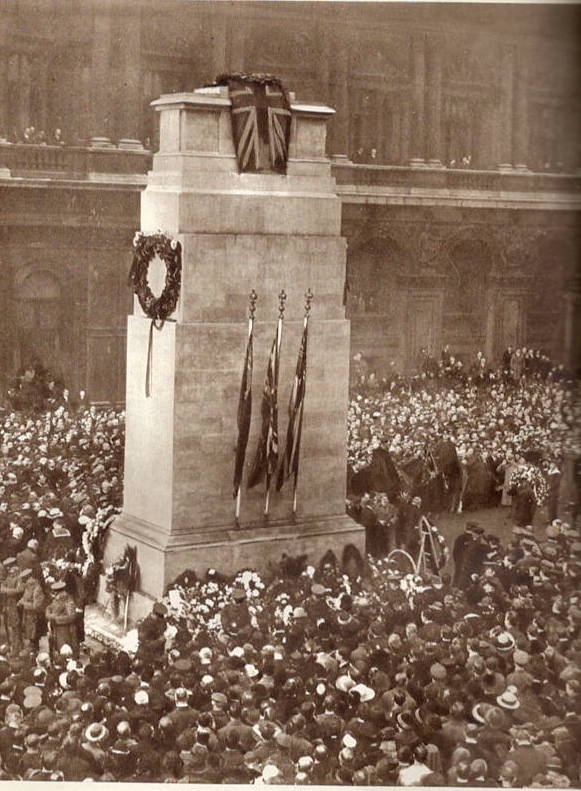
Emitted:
<point x="371" y="275"/>
<point x="39" y="318"/>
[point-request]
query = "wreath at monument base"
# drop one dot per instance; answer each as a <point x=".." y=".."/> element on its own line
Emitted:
<point x="169" y="250"/>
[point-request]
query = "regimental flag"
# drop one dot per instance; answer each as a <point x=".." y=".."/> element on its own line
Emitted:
<point x="290" y="460"/>
<point x="261" y="121"/>
<point x="266" y="458"/>
<point x="244" y="412"/>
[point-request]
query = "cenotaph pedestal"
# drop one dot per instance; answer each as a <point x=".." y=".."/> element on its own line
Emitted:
<point x="238" y="231"/>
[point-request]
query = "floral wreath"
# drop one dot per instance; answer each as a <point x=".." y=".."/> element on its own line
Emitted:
<point x="169" y="250"/>
<point x="532" y="476"/>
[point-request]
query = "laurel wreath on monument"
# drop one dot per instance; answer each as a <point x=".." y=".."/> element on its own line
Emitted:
<point x="169" y="250"/>
<point x="158" y="309"/>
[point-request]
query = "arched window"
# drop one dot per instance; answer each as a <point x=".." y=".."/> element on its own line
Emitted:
<point x="39" y="318"/>
<point x="39" y="302"/>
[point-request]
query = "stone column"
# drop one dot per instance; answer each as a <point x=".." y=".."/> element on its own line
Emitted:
<point x="504" y="128"/>
<point x="218" y="40"/>
<point x="4" y="123"/>
<point x="417" y="139"/>
<point x="237" y="231"/>
<point x="323" y="78"/>
<point x="434" y="147"/>
<point x="101" y="109"/>
<point x="339" y="91"/>
<point x="130" y="129"/>
<point x="24" y="89"/>
<point x="521" y="120"/>
<point x="235" y="43"/>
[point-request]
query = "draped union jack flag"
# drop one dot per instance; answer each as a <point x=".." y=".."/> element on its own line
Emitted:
<point x="261" y="119"/>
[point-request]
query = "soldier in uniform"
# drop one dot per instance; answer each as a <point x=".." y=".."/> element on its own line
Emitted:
<point x="11" y="589"/>
<point x="61" y="615"/>
<point x="33" y="603"/>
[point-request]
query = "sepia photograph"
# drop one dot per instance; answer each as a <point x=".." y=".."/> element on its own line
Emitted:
<point x="289" y="416"/>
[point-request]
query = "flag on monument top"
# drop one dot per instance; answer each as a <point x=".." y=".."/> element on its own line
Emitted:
<point x="290" y="460"/>
<point x="261" y="121"/>
<point x="266" y="458"/>
<point x="244" y="412"/>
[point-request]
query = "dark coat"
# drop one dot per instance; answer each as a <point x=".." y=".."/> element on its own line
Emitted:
<point x="459" y="549"/>
<point x="151" y="638"/>
<point x="524" y="505"/>
<point x="383" y="476"/>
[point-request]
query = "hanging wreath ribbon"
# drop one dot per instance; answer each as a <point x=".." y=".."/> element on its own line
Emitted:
<point x="158" y="309"/>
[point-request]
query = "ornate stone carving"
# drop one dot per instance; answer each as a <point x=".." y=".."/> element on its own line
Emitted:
<point x="432" y="251"/>
<point x="382" y="59"/>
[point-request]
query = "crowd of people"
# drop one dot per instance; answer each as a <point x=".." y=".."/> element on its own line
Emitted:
<point x="34" y="136"/>
<point x="456" y="437"/>
<point x="60" y="486"/>
<point x="37" y="389"/>
<point x="465" y="670"/>
<point x="321" y="675"/>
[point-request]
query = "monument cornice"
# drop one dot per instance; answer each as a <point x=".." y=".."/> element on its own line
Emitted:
<point x="216" y="97"/>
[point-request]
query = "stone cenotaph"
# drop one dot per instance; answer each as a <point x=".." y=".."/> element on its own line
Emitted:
<point x="238" y="231"/>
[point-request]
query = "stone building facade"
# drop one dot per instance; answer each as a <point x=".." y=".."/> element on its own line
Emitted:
<point x="455" y="148"/>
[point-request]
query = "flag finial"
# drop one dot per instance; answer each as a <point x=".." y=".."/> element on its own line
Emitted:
<point x="252" y="299"/>
<point x="308" y="300"/>
<point x="281" y="303"/>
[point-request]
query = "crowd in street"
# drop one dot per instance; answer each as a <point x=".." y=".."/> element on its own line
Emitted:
<point x="355" y="671"/>
<point x="60" y="486"/>
<point x="36" y="389"/>
<point x="482" y="424"/>
<point x="319" y="675"/>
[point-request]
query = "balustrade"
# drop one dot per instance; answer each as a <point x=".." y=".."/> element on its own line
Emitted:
<point x="23" y="159"/>
<point x="453" y="179"/>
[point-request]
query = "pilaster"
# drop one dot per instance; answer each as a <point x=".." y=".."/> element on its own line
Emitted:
<point x="506" y="107"/>
<point x="417" y="135"/>
<point x="129" y="116"/>
<point x="339" y="128"/>
<point x="521" y="119"/>
<point x="433" y="107"/>
<point x="101" y="70"/>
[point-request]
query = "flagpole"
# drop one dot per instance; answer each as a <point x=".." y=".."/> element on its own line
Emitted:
<point x="251" y="311"/>
<point x="308" y="301"/>
<point x="281" y="308"/>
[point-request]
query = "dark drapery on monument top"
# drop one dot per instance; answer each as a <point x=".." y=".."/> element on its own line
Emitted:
<point x="261" y="121"/>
